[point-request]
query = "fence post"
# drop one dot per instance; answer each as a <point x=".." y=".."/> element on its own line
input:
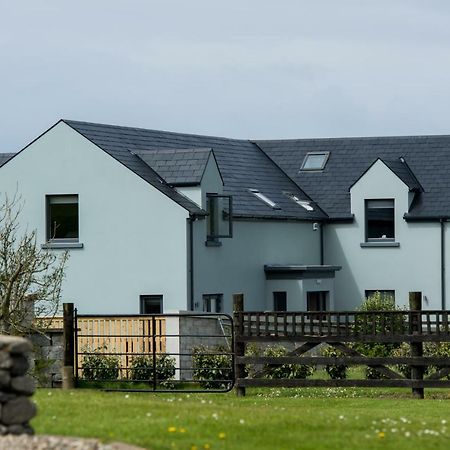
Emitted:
<point x="415" y="304"/>
<point x="239" y="347"/>
<point x="69" y="349"/>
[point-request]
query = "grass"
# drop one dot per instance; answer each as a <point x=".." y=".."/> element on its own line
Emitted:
<point x="265" y="419"/>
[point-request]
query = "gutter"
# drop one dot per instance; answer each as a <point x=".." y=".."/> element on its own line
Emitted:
<point x="321" y="225"/>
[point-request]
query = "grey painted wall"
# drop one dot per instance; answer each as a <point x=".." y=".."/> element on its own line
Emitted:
<point x="413" y="266"/>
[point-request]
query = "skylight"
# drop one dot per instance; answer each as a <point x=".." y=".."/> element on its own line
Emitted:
<point x="263" y="198"/>
<point x="315" y="161"/>
<point x="303" y="203"/>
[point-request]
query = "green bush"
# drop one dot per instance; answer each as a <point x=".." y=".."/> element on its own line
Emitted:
<point x="212" y="367"/>
<point x="335" y="371"/>
<point x="376" y="322"/>
<point x="141" y="368"/>
<point x="431" y="349"/>
<point x="279" y="371"/>
<point x="98" y="366"/>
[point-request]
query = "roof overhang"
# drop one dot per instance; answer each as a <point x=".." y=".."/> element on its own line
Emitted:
<point x="299" y="271"/>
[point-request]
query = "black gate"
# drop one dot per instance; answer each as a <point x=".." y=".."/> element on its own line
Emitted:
<point x="155" y="352"/>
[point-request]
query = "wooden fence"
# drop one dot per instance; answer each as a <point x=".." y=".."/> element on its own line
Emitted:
<point x="306" y="330"/>
<point x="121" y="336"/>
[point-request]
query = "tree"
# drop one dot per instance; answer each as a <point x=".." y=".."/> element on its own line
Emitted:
<point x="30" y="277"/>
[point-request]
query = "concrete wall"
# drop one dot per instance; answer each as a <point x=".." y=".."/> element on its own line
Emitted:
<point x="237" y="266"/>
<point x="413" y="266"/>
<point x="134" y="236"/>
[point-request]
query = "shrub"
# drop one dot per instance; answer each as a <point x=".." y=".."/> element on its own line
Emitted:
<point x="284" y="370"/>
<point x="98" y="366"/>
<point x="212" y="367"/>
<point x="335" y="371"/>
<point x="141" y="368"/>
<point x="376" y="322"/>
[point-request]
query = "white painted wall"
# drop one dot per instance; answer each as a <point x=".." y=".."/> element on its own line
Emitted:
<point x="414" y="266"/>
<point x="238" y="265"/>
<point x="134" y="236"/>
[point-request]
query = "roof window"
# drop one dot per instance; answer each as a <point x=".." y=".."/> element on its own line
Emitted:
<point x="263" y="198"/>
<point x="303" y="203"/>
<point x="315" y="161"/>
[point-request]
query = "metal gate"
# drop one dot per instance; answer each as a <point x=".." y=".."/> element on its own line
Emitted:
<point x="154" y="352"/>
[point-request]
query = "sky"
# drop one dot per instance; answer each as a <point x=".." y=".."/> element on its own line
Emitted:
<point x="254" y="69"/>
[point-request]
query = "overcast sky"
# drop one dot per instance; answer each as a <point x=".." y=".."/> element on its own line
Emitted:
<point x="236" y="68"/>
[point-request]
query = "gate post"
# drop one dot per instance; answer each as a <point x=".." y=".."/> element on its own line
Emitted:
<point x="69" y="349"/>
<point x="415" y="304"/>
<point x="239" y="347"/>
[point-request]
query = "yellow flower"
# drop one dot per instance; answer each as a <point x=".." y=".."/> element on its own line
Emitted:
<point x="222" y="435"/>
<point x="381" y="434"/>
<point x="172" y="429"/>
<point x="182" y="430"/>
<point x="194" y="447"/>
<point x="207" y="447"/>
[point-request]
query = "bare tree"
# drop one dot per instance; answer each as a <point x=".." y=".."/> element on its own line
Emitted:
<point x="30" y="277"/>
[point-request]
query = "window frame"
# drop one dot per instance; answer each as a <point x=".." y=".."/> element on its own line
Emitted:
<point x="315" y="169"/>
<point x="144" y="297"/>
<point x="212" y="219"/>
<point x="49" y="225"/>
<point x="218" y="301"/>
<point x="275" y="301"/>
<point x="366" y="220"/>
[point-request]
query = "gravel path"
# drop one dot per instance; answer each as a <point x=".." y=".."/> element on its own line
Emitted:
<point x="25" y="442"/>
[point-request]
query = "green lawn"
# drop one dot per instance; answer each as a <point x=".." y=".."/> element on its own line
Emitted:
<point x="272" y="419"/>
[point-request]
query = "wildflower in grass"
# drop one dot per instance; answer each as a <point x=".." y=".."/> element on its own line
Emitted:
<point x="222" y="435"/>
<point x="182" y="430"/>
<point x="194" y="447"/>
<point x="172" y="429"/>
<point x="407" y="434"/>
<point x="127" y="396"/>
<point x="206" y="447"/>
<point x="381" y="434"/>
<point x="242" y="421"/>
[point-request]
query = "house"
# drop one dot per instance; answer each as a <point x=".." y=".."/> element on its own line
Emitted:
<point x="158" y="221"/>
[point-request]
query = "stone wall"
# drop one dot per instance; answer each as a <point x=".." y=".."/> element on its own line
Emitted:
<point x="47" y="357"/>
<point x="16" y="409"/>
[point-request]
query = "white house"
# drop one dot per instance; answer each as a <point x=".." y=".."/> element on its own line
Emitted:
<point x="158" y="221"/>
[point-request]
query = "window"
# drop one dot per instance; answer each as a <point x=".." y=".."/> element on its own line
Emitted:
<point x="151" y="304"/>
<point x="380" y="222"/>
<point x="385" y="295"/>
<point x="220" y="211"/>
<point x="315" y="161"/>
<point x="212" y="303"/>
<point x="62" y="218"/>
<point x="263" y="198"/>
<point x="303" y="203"/>
<point x="316" y="301"/>
<point x="280" y="301"/>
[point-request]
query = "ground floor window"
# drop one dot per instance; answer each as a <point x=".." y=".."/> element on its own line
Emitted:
<point x="212" y="303"/>
<point x="384" y="294"/>
<point x="316" y="301"/>
<point x="151" y="304"/>
<point x="280" y="301"/>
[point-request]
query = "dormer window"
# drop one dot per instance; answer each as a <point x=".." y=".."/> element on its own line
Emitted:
<point x="315" y="161"/>
<point x="263" y="198"/>
<point x="380" y="220"/>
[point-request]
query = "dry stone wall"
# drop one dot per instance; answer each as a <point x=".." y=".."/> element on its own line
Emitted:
<point x="16" y="387"/>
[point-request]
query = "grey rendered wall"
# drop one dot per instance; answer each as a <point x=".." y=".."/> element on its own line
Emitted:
<point x="238" y="265"/>
<point x="134" y="236"/>
<point x="413" y="266"/>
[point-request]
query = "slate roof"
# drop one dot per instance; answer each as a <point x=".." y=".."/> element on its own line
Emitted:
<point x="403" y="171"/>
<point x="178" y="167"/>
<point x="5" y="157"/>
<point x="242" y="165"/>
<point x="427" y="156"/>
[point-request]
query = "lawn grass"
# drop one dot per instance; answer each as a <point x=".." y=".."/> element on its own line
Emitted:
<point x="265" y="419"/>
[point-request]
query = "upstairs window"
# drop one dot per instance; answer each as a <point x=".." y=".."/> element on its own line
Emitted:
<point x="220" y="211"/>
<point x="280" y="301"/>
<point x="380" y="220"/>
<point x="212" y="303"/>
<point x="305" y="204"/>
<point x="315" y="161"/>
<point x="62" y="218"/>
